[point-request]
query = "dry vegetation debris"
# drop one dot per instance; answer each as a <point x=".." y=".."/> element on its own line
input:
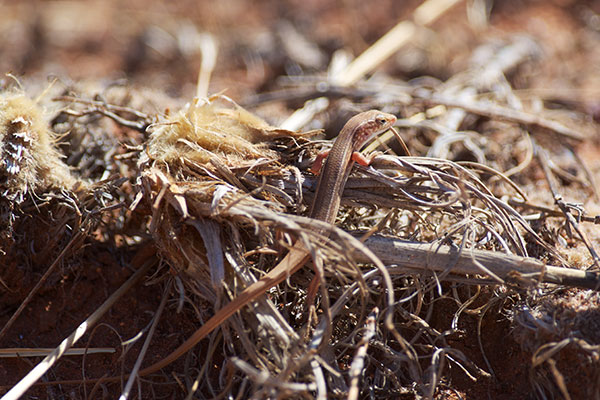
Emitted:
<point x="463" y="229"/>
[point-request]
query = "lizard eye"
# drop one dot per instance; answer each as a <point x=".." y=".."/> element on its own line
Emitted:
<point x="381" y="121"/>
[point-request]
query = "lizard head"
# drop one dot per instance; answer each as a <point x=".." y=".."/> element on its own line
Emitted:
<point x="370" y="124"/>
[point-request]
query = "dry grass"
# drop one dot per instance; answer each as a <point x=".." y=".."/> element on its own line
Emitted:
<point x="221" y="194"/>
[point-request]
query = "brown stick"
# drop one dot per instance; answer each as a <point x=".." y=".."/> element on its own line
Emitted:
<point x="417" y="257"/>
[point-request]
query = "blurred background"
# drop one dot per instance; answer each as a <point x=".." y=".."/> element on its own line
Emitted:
<point x="156" y="44"/>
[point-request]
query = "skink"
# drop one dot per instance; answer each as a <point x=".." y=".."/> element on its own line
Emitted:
<point x="334" y="174"/>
